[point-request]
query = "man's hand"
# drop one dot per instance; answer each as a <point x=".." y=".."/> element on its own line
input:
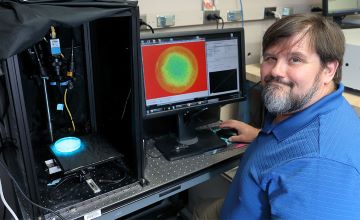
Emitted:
<point x="246" y="133"/>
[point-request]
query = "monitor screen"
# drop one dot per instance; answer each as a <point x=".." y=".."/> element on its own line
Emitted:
<point x="338" y="8"/>
<point x="186" y="70"/>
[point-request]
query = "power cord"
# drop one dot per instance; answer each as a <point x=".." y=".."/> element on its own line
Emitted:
<point x="146" y="24"/>
<point x="23" y="194"/>
<point x="222" y="23"/>
<point x="63" y="180"/>
<point x="6" y="204"/>
<point x="215" y="17"/>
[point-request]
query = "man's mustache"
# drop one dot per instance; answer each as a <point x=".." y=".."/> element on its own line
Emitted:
<point x="269" y="79"/>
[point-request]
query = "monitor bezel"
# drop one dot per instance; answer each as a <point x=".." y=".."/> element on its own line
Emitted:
<point x="325" y="10"/>
<point x="208" y="34"/>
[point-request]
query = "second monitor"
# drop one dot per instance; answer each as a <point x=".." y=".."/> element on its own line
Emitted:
<point x="186" y="72"/>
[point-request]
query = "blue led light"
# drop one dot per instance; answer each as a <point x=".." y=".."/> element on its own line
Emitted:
<point x="67" y="146"/>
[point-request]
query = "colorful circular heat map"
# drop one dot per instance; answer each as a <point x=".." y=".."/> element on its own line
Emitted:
<point x="176" y="69"/>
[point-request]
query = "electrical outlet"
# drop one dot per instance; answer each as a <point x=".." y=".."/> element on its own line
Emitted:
<point x="286" y="11"/>
<point x="208" y="14"/>
<point x="269" y="12"/>
<point x="234" y="15"/>
<point x="165" y="20"/>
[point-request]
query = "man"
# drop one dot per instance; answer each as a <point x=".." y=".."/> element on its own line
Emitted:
<point x="305" y="161"/>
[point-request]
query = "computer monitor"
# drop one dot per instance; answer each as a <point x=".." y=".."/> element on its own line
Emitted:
<point x="338" y="9"/>
<point x="186" y="72"/>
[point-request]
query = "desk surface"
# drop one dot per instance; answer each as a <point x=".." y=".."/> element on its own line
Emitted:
<point x="165" y="178"/>
<point x="253" y="74"/>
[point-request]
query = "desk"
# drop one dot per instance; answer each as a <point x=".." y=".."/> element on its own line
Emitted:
<point x="165" y="178"/>
<point x="253" y="74"/>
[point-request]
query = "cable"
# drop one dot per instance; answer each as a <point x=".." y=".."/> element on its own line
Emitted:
<point x="23" y="194"/>
<point x="216" y="18"/>
<point x="112" y="181"/>
<point x="146" y="24"/>
<point x="63" y="180"/>
<point x="242" y="14"/>
<point x="193" y="115"/>
<point x="5" y="203"/>
<point x="68" y="111"/>
<point x="253" y="86"/>
<point x="222" y="23"/>
<point x="123" y="113"/>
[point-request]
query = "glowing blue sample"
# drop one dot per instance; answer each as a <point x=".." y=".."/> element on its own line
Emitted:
<point x="67" y="146"/>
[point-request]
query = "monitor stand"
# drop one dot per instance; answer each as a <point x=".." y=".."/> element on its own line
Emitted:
<point x="188" y="142"/>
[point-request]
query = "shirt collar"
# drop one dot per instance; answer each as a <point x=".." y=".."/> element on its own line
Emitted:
<point x="300" y="119"/>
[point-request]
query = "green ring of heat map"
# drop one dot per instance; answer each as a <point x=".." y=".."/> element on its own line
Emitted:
<point x="176" y="69"/>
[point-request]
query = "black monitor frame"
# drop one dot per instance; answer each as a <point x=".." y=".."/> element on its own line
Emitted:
<point x="338" y="15"/>
<point x="190" y="141"/>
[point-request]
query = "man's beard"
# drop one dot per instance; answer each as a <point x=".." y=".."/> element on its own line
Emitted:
<point x="280" y="100"/>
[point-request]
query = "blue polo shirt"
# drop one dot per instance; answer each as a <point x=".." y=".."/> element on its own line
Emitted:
<point x="305" y="167"/>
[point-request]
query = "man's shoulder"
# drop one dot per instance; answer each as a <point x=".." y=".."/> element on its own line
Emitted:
<point x="339" y="136"/>
<point x="341" y="122"/>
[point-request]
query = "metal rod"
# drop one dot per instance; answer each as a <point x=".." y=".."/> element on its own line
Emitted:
<point x="44" y="77"/>
<point x="48" y="109"/>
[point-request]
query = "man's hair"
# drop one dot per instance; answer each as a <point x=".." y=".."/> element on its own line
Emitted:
<point x="325" y="36"/>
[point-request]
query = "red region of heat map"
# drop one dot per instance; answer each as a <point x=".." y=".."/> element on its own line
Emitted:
<point x="174" y="69"/>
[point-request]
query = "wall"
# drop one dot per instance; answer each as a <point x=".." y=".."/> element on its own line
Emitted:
<point x="189" y="16"/>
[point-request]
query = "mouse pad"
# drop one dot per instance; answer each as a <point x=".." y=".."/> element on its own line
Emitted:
<point x="94" y="150"/>
<point x="172" y="150"/>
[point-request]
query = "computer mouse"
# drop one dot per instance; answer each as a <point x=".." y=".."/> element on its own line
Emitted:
<point x="226" y="132"/>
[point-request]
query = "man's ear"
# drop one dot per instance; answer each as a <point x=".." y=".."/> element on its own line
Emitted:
<point x="330" y="70"/>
